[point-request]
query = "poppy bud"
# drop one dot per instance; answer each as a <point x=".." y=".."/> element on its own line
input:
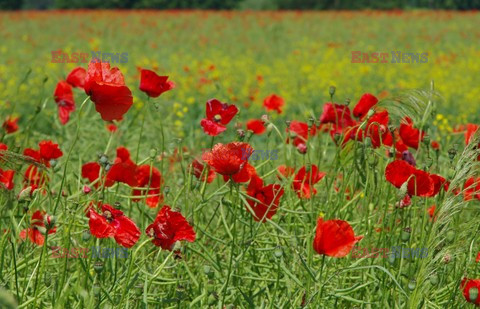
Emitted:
<point x="98" y="267"/>
<point x="434" y="279"/>
<point x="406" y="234"/>
<point x="450" y="236"/>
<point x="347" y="102"/>
<point x="403" y="190"/>
<point x="86" y="235"/>
<point x="166" y="190"/>
<point x="278" y="252"/>
<point x="447" y="258"/>
<point x="25" y="194"/>
<point x="311" y="122"/>
<point x="53" y="163"/>
<point x="370" y="113"/>
<point x="391" y="258"/>
<point x="241" y="134"/>
<point x="451" y="173"/>
<point x="41" y="229"/>
<point x="331" y="90"/>
<point x="86" y="189"/>
<point x="269" y="128"/>
<point x="96" y="290"/>
<point x="153" y="153"/>
<point x="265" y="118"/>
<point x="108" y="166"/>
<point x="302" y="148"/>
<point x="426" y="140"/>
<point x="452" y="152"/>
<point x="412" y="284"/>
<point x="103" y="159"/>
<point x="288" y="122"/>
<point x="473" y="294"/>
<point x="49" y="221"/>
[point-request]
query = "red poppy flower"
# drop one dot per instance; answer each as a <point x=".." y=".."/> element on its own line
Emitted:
<point x="435" y="145"/>
<point x="334" y="238"/>
<point x="91" y="171"/>
<point x="113" y="223"/>
<point x="366" y="102"/>
<point x="123" y="168"/>
<point x="64" y="98"/>
<point x="149" y="178"/>
<point x="154" y="85"/>
<point x="466" y="286"/>
<point x="305" y="180"/>
<point x="399" y="145"/>
<point x="245" y="173"/>
<point x="471" y="188"/>
<point x="336" y="114"/>
<point x="3" y="148"/>
<point x="198" y="170"/>
<point x="285" y="171"/>
<point x="477" y="259"/>
<point x="410" y="135"/>
<point x="431" y="212"/>
<point x="76" y="78"/>
<point x="48" y="151"/>
<point x="6" y="179"/>
<point x="168" y="228"/>
<point x="300" y="132"/>
<point x="218" y="116"/>
<point x="37" y="228"/>
<point x="268" y="199"/>
<point x="377" y="130"/>
<point x="274" y="103"/>
<point x="256" y="126"/>
<point x="106" y="88"/>
<point x="34" y="177"/>
<point x="11" y="125"/>
<point x="228" y="159"/>
<point x="111" y="128"/>
<point x="438" y="183"/>
<point x="419" y="182"/>
<point x="471" y="129"/>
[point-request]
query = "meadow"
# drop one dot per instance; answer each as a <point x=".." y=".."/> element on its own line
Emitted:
<point x="236" y="182"/>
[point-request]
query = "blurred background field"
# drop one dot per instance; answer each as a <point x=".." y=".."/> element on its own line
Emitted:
<point x="241" y="57"/>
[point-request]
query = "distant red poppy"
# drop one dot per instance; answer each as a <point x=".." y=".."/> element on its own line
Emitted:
<point x="419" y="182"/>
<point x="477" y="259"/>
<point x="111" y="128"/>
<point x="106" y="88"/>
<point x="471" y="129"/>
<point x="76" y="78"/>
<point x="112" y="222"/>
<point x="366" y="102"/>
<point x="6" y="179"/>
<point x="466" y="286"/>
<point x="10" y="125"/>
<point x="228" y="159"/>
<point x="256" y="126"/>
<point x="218" y="116"/>
<point x="34" y="177"/>
<point x="377" y="130"/>
<point x="305" y="180"/>
<point x="410" y="135"/>
<point x="149" y="178"/>
<point x="154" y="85"/>
<point x="48" y="151"/>
<point x="64" y="98"/>
<point x="274" y="103"/>
<point x="3" y="148"/>
<point x="198" y="170"/>
<point x="268" y="199"/>
<point x="123" y="168"/>
<point x="334" y="238"/>
<point x="471" y="188"/>
<point x="431" y="212"/>
<point x="37" y="228"/>
<point x="168" y="228"/>
<point x="435" y="145"/>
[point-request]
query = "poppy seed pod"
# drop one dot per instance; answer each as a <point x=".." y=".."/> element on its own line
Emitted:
<point x="103" y="159"/>
<point x="473" y="294"/>
<point x="452" y="152"/>
<point x="241" y="134"/>
<point x="86" y="235"/>
<point x="412" y="284"/>
<point x="331" y="90"/>
<point x="278" y="252"/>
<point x="98" y="267"/>
<point x="405" y="235"/>
<point x="426" y="140"/>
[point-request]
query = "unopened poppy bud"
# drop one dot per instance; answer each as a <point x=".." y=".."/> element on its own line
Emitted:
<point x="103" y="159"/>
<point x="41" y="229"/>
<point x="403" y="190"/>
<point x="405" y="235"/>
<point x="451" y="173"/>
<point x="86" y="235"/>
<point x="311" y="122"/>
<point x="153" y="153"/>
<point x="25" y="194"/>
<point x="408" y="156"/>
<point x="347" y="102"/>
<point x="302" y="148"/>
<point x="450" y="236"/>
<point x="53" y="163"/>
<point x="447" y="258"/>
<point x="166" y="190"/>
<point x="331" y="90"/>
<point x="452" y="152"/>
<point x="49" y="221"/>
<point x="412" y="284"/>
<point x="269" y="128"/>
<point x="288" y="122"/>
<point x="108" y="166"/>
<point x="98" y="267"/>
<point x="473" y="294"/>
<point x="96" y="290"/>
<point x="265" y="118"/>
<point x="241" y="134"/>
<point x="86" y="189"/>
<point x="434" y="279"/>
<point x="278" y="252"/>
<point x="370" y="113"/>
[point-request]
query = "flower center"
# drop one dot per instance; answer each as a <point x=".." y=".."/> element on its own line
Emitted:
<point x="217" y="117"/>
